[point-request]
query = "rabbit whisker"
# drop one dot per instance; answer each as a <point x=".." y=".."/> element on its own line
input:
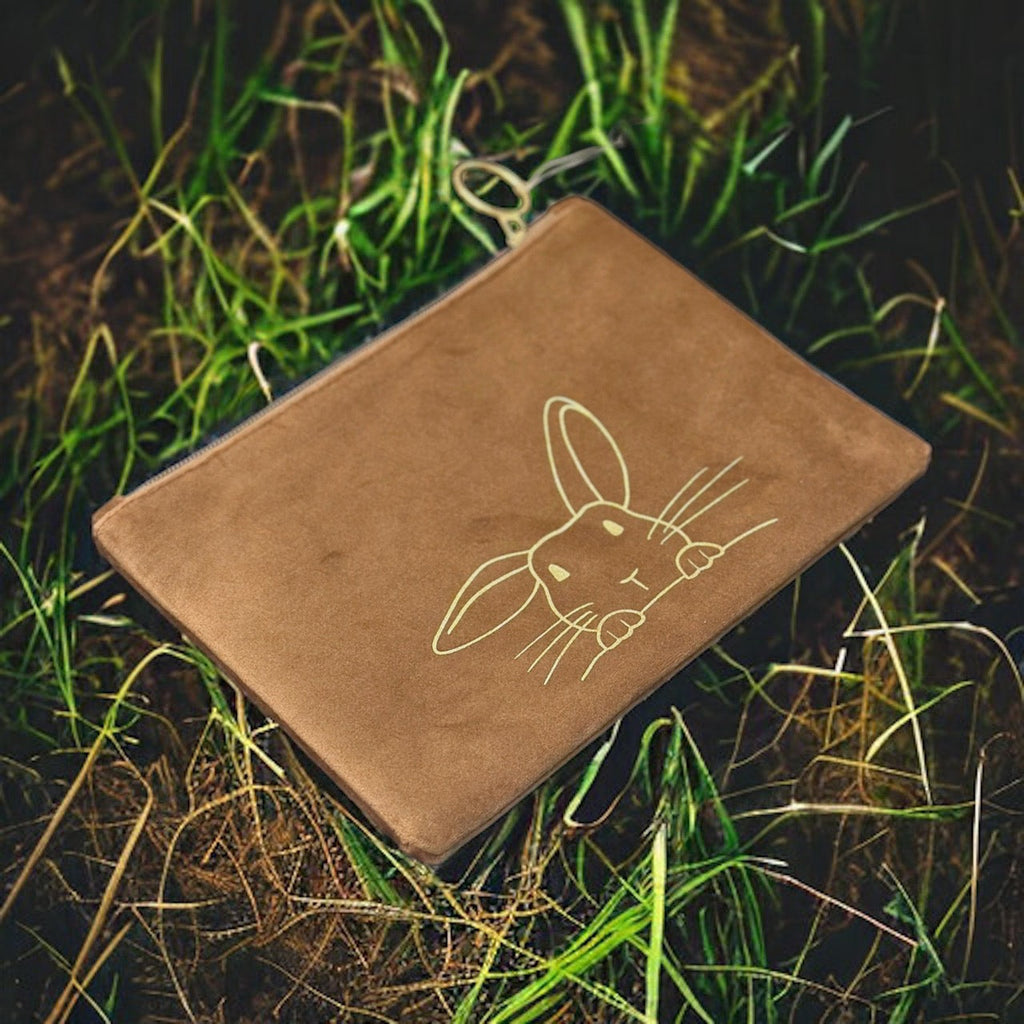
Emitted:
<point x="571" y="625"/>
<point x="707" y="507"/>
<point x="597" y="657"/>
<point x="561" y="653"/>
<point x="660" y="521"/>
<point x="554" y="625"/>
<point x="747" y="533"/>
<point x="693" y="497"/>
<point x="558" y="637"/>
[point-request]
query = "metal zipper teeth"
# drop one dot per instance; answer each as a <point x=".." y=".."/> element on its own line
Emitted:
<point x="259" y="413"/>
<point x="231" y="431"/>
<point x="324" y="370"/>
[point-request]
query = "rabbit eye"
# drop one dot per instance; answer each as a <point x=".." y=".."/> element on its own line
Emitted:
<point x="558" y="572"/>
<point x="614" y="528"/>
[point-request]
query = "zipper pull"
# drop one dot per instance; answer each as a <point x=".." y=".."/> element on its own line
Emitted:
<point x="511" y="218"/>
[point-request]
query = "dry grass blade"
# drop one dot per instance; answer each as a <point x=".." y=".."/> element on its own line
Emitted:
<point x="83" y="773"/>
<point x="66" y="1000"/>
<point x="966" y="627"/>
<point x="897" y="664"/>
<point x="841" y="904"/>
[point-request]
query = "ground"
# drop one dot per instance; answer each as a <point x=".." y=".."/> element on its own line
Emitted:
<point x="818" y="820"/>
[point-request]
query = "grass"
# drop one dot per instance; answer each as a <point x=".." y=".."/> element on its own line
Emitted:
<point x="818" y="820"/>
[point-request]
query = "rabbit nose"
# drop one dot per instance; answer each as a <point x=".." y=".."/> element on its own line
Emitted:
<point x="632" y="578"/>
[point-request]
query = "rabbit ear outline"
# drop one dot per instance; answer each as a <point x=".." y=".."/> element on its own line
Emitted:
<point x="495" y="593"/>
<point x="605" y="478"/>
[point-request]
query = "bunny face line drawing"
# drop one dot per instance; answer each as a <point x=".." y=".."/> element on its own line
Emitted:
<point x="605" y="567"/>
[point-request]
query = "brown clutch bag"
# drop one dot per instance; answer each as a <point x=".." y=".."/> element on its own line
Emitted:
<point x="452" y="559"/>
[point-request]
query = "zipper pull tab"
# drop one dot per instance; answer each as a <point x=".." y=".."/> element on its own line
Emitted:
<point x="511" y="218"/>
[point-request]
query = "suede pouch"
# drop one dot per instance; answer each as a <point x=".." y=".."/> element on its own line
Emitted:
<point x="452" y="559"/>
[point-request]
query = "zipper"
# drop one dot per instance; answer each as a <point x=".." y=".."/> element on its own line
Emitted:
<point x="318" y="375"/>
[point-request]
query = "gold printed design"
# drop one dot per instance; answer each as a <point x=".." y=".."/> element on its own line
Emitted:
<point x="606" y="566"/>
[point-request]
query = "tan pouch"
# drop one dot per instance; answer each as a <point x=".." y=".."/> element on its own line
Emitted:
<point x="450" y="560"/>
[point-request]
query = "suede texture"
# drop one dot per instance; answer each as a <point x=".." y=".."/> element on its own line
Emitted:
<point x="452" y="559"/>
